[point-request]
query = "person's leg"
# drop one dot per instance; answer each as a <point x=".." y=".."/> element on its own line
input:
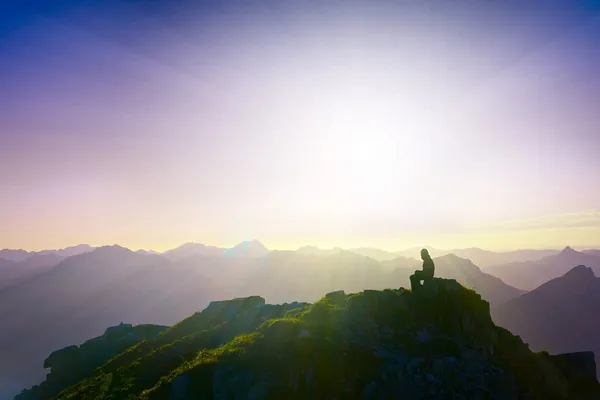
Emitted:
<point x="415" y="280"/>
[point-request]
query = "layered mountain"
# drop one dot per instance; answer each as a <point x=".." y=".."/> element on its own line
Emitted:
<point x="530" y="275"/>
<point x="251" y="248"/>
<point x="560" y="316"/>
<point x="193" y="249"/>
<point x="376" y="254"/>
<point x="81" y="296"/>
<point x="485" y="258"/>
<point x="21" y="265"/>
<point x="13" y="273"/>
<point x="439" y="342"/>
<point x="69" y="251"/>
<point x="468" y="274"/>
<point x="401" y="262"/>
<point x="315" y="251"/>
<point x="13" y="255"/>
<point x="5" y="264"/>
<point x="21" y="255"/>
<point x="285" y="276"/>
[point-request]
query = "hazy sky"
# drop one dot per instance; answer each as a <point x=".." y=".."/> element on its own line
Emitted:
<point x="391" y="124"/>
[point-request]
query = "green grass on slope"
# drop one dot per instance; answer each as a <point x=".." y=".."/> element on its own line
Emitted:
<point x="390" y="343"/>
<point x="142" y="366"/>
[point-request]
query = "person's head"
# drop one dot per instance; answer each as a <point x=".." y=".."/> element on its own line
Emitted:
<point x="425" y="254"/>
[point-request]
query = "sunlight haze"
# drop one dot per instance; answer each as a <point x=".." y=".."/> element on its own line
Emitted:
<point x="367" y="125"/>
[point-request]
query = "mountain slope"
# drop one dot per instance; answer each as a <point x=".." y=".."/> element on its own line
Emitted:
<point x="468" y="274"/>
<point x="560" y="316"/>
<point x="529" y="275"/>
<point x="251" y="248"/>
<point x="33" y="265"/>
<point x="437" y="343"/>
<point x="74" y="363"/>
<point x="192" y="249"/>
<point x="5" y="264"/>
<point x="82" y="295"/>
<point x="376" y="254"/>
<point x="13" y="255"/>
<point x="486" y="258"/>
<point x="69" y="251"/>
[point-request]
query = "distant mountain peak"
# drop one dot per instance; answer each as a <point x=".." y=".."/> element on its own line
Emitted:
<point x="452" y="257"/>
<point x="191" y="244"/>
<point x="250" y="243"/>
<point x="568" y="250"/>
<point x="581" y="272"/>
<point x="115" y="248"/>
<point x="252" y="248"/>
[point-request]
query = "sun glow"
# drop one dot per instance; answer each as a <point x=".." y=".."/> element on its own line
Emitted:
<point x="297" y="124"/>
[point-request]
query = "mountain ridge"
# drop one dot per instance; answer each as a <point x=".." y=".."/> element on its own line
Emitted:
<point x="439" y="341"/>
<point x="531" y="274"/>
<point x="559" y="315"/>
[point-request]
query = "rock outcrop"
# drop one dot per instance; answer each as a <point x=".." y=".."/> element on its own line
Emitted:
<point x="438" y="343"/>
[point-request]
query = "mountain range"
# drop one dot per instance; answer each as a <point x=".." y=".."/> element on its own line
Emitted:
<point x="560" y="315"/>
<point x="482" y="258"/>
<point x="20" y="255"/>
<point x="529" y="275"/>
<point x="435" y="343"/>
<point x="49" y="300"/>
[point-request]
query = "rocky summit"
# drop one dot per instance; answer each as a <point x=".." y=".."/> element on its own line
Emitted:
<point x="436" y="343"/>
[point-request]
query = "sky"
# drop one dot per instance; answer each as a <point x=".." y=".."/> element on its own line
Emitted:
<point x="338" y="123"/>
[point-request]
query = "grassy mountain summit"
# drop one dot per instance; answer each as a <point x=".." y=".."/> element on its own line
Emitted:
<point x="436" y="343"/>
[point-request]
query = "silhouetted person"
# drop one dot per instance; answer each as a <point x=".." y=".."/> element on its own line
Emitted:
<point x="424" y="274"/>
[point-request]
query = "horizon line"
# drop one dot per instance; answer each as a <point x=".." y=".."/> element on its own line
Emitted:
<point x="296" y="248"/>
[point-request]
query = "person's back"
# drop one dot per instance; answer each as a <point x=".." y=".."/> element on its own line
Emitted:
<point x="428" y="266"/>
<point x="427" y="272"/>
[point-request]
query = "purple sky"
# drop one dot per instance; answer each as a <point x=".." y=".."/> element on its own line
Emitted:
<point x="391" y="124"/>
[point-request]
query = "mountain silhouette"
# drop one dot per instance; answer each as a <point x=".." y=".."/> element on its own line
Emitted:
<point x="560" y="315"/>
<point x="13" y="273"/>
<point x="13" y="255"/>
<point x="439" y="343"/>
<point x="401" y="262"/>
<point x="22" y="255"/>
<point x="529" y="275"/>
<point x="252" y="248"/>
<point x="484" y="258"/>
<point x="69" y="251"/>
<point x="376" y="254"/>
<point x="78" y="297"/>
<point x="193" y="249"/>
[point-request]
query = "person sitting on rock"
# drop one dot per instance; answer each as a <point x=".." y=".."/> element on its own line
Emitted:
<point x="424" y="274"/>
